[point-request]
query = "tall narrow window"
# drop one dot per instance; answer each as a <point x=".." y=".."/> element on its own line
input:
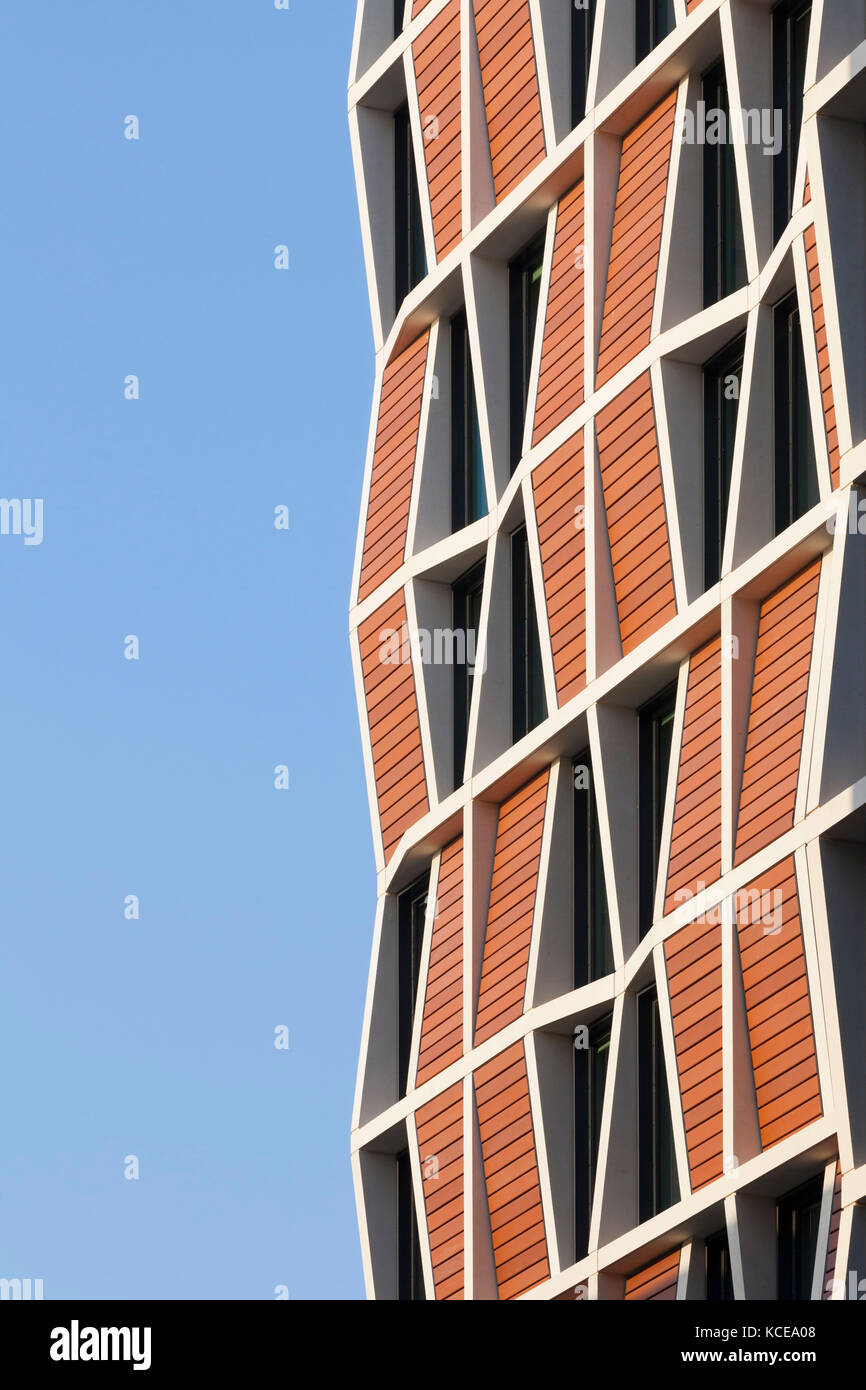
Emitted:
<point x="657" y="1179"/>
<point x="797" y="1218"/>
<point x="653" y="21"/>
<point x="468" y="493"/>
<point x="593" y="957"/>
<point x="656" y="726"/>
<point x="411" y="909"/>
<point x="467" y="594"/>
<point x="410" y="1272"/>
<point x="524" y="293"/>
<point x="410" y="256"/>
<point x="529" y="705"/>
<point x="796" y="472"/>
<point x="590" y="1075"/>
<point x="722" y="381"/>
<point x="724" y="252"/>
<point x="399" y="15"/>
<point x="582" y="16"/>
<point x="720" y="1285"/>
<point x="791" y="22"/>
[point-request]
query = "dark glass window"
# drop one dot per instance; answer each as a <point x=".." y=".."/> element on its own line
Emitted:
<point x="796" y="472"/>
<point x="411" y="908"/>
<point x="657" y="1180"/>
<point x="582" y="16"/>
<point x="797" y="1217"/>
<point x="590" y="1074"/>
<point x="723" y="377"/>
<point x="656" y="726"/>
<point x="720" y="1286"/>
<point x="466" y="619"/>
<point x="593" y="956"/>
<point x="724" y="253"/>
<point x="790" y="42"/>
<point x="529" y="704"/>
<point x="524" y="293"/>
<point x="653" y="21"/>
<point x="410" y="257"/>
<point x="399" y="14"/>
<point x="468" y="493"/>
<point x="410" y="1272"/>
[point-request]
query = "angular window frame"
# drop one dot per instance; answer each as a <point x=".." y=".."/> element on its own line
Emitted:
<point x="653" y="719"/>
<point x="797" y="1241"/>
<point x="719" y="436"/>
<point x="790" y="45"/>
<point x="468" y="489"/>
<point x="410" y="256"/>
<point x="653" y="21"/>
<point x="582" y="29"/>
<point x="529" y="701"/>
<point x="724" y="248"/>
<point x="525" y="274"/>
<point x="411" y="917"/>
<point x="717" y="1265"/>
<point x="467" y="595"/>
<point x="410" y="1267"/>
<point x="796" y="473"/>
<point x="590" y="1080"/>
<point x="658" y="1181"/>
<point x="593" y="948"/>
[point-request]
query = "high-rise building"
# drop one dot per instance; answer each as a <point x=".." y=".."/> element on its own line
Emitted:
<point x="609" y="634"/>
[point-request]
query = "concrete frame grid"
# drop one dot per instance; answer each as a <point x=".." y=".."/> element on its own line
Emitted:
<point x="821" y="255"/>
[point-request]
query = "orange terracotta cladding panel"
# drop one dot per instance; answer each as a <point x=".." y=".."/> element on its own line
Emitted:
<point x="696" y="840"/>
<point x="560" y="382"/>
<point x="511" y="908"/>
<point x="777" y="713"/>
<point x="636" y="241"/>
<point x="694" y="965"/>
<point x="819" y="321"/>
<point x="418" y="6"/>
<point x="395" y="734"/>
<point x="511" y="1173"/>
<point x="440" y="1150"/>
<point x="436" y="55"/>
<point x="510" y="81"/>
<point x="393" y="465"/>
<point x="558" y="488"/>
<point x="692" y="5"/>
<point x="778" y="1010"/>
<point x="658" y="1282"/>
<point x="833" y="1242"/>
<point x="636" y="520"/>
<point x="442" y="1021"/>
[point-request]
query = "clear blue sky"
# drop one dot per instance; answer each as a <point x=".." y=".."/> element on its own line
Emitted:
<point x="155" y="777"/>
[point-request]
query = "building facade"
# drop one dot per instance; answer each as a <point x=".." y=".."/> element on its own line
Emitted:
<point x="608" y="636"/>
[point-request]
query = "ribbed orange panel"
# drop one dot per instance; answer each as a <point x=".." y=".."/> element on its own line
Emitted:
<point x="442" y="1022"/>
<point x="418" y="6"/>
<point x="694" y="965"/>
<point x="511" y="1173"/>
<point x="696" y="840"/>
<point x="823" y="351"/>
<point x="558" y="488"/>
<point x="440" y="1149"/>
<point x="393" y="465"/>
<point x="636" y="520"/>
<point x="636" y="241"/>
<point x="692" y="5"/>
<point x="833" y="1242"/>
<point x="560" y="382"/>
<point x="395" y="734"/>
<point x="777" y="1004"/>
<point x="658" y="1282"/>
<point x="511" y="908"/>
<point x="436" y="55"/>
<point x="510" y="81"/>
<point x="777" y="713"/>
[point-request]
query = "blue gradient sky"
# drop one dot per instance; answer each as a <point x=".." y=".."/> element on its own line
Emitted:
<point x="155" y="777"/>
